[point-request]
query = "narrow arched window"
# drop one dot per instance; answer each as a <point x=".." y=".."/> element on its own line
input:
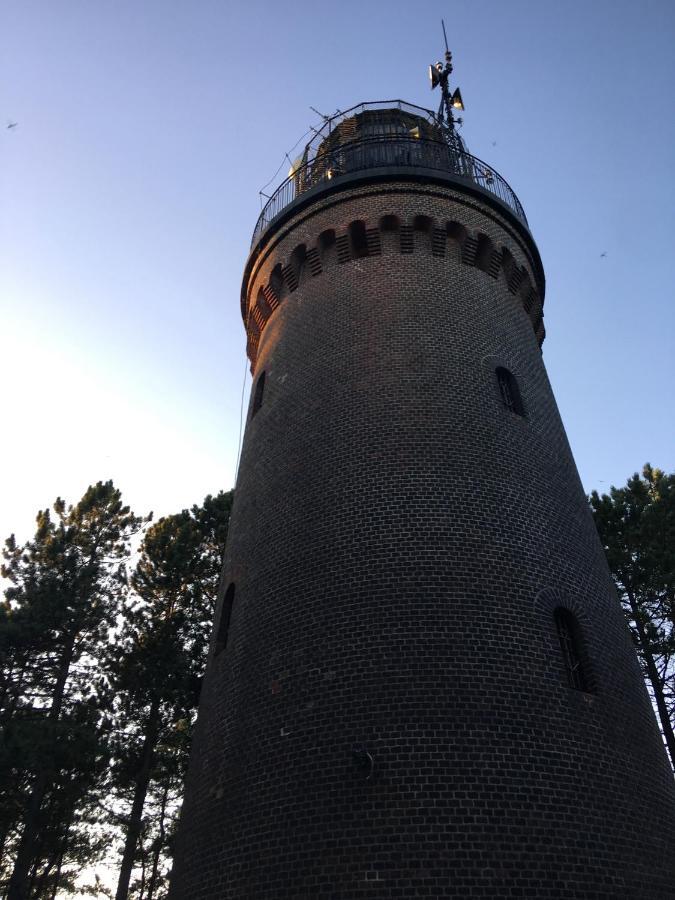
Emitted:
<point x="389" y="223"/>
<point x="224" y="621"/>
<point x="484" y="253"/>
<point x="510" y="393"/>
<point x="258" y="394"/>
<point x="359" y="240"/>
<point x="572" y="649"/>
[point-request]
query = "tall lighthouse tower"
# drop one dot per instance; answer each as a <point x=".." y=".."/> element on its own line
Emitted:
<point x="420" y="682"/>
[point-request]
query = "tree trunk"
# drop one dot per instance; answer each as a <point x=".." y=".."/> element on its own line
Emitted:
<point x="4" y="838"/>
<point x="158" y="844"/>
<point x="57" y="877"/>
<point x="19" y="882"/>
<point x="654" y="679"/>
<point x="38" y="885"/>
<point x="140" y="792"/>
<point x="141" y="893"/>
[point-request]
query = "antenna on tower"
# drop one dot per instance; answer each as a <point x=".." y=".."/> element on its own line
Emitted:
<point x="320" y="114"/>
<point x="445" y="37"/>
<point x="439" y="75"/>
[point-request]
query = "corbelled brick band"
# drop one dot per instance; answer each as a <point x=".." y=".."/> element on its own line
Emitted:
<point x="388" y="713"/>
<point x="421" y="233"/>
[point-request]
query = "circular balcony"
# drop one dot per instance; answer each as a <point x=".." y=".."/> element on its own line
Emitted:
<point x="385" y="135"/>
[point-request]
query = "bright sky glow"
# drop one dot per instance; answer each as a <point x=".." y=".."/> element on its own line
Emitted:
<point x="128" y="193"/>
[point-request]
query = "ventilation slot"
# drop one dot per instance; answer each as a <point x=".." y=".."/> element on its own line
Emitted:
<point x="373" y="242"/>
<point x="469" y="251"/>
<point x="258" y="317"/>
<point x="495" y="264"/>
<point x="314" y="262"/>
<point x="528" y="301"/>
<point x="343" y="251"/>
<point x="406" y="237"/>
<point x="515" y="280"/>
<point x="270" y="297"/>
<point x="438" y="241"/>
<point x="290" y="277"/>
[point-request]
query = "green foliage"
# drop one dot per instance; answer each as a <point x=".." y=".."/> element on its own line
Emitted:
<point x="100" y="672"/>
<point x="65" y="593"/>
<point x="636" y="524"/>
<point x="159" y="661"/>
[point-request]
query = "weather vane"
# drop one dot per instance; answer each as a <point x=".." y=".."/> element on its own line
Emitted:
<point x="439" y="74"/>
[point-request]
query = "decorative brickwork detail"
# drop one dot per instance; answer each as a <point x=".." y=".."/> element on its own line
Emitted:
<point x="253" y="339"/>
<point x="495" y="264"/>
<point x="469" y="248"/>
<point x="343" y="248"/>
<point x="262" y="305"/>
<point x="476" y="250"/>
<point x="438" y="241"/>
<point x="271" y="297"/>
<point x="258" y="317"/>
<point x="314" y="261"/>
<point x="373" y="239"/>
<point x="290" y="278"/>
<point x="515" y="279"/>
<point x="406" y="238"/>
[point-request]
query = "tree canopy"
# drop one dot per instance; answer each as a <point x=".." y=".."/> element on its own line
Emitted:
<point x="103" y="645"/>
<point x="636" y="524"/>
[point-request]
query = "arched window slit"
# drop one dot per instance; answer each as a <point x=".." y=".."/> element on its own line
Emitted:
<point x="224" y="621"/>
<point x="258" y="394"/>
<point x="572" y="649"/>
<point x="509" y="391"/>
<point x="359" y="240"/>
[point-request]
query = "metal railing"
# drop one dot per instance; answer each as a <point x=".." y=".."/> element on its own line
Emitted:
<point x="395" y="151"/>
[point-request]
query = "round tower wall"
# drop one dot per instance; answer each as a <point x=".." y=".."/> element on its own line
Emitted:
<point x="391" y="714"/>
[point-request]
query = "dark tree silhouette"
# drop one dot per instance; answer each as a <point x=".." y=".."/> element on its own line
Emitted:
<point x="159" y="662"/>
<point x="636" y="524"/>
<point x="63" y="601"/>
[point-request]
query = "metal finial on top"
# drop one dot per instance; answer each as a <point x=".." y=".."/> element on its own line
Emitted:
<point x="439" y="74"/>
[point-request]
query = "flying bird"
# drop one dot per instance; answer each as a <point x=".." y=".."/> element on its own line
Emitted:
<point x="12" y="124"/>
<point x="604" y="253"/>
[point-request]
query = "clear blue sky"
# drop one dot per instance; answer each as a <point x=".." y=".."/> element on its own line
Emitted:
<point x="129" y="190"/>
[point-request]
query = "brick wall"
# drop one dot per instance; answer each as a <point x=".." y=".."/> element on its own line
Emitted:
<point x="399" y="543"/>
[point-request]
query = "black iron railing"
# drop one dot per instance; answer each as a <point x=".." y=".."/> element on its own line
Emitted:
<point x="397" y="151"/>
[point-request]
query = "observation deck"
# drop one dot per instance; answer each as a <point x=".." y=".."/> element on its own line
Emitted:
<point x="384" y="135"/>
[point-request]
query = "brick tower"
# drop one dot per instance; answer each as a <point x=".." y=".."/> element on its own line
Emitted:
<point x="420" y="682"/>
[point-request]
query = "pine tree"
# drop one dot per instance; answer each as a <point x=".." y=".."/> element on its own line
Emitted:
<point x="636" y="524"/>
<point x="63" y="603"/>
<point x="160" y="659"/>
